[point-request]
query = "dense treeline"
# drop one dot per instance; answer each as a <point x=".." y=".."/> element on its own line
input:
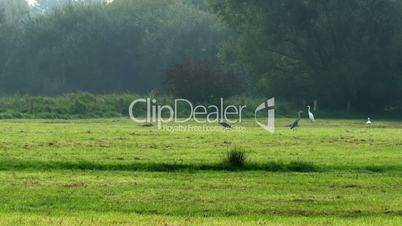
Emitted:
<point x="122" y="46"/>
<point x="345" y="54"/>
<point x="339" y="52"/>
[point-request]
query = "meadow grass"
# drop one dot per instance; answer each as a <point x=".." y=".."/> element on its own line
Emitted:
<point x="112" y="171"/>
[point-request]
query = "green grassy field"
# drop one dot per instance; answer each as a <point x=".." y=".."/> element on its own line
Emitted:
<point x="100" y="172"/>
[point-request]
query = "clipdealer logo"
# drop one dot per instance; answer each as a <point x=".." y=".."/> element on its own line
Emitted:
<point x="202" y="114"/>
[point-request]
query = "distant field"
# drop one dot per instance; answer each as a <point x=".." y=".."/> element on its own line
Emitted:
<point x="112" y="171"/>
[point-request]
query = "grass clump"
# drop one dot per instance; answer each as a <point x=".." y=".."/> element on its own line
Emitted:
<point x="236" y="158"/>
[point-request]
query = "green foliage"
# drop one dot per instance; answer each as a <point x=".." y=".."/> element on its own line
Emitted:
<point x="334" y="51"/>
<point x="341" y="53"/>
<point x="201" y="81"/>
<point x="13" y="12"/>
<point x="86" y="105"/>
<point x="12" y="115"/>
<point x="71" y="105"/>
<point x="105" y="48"/>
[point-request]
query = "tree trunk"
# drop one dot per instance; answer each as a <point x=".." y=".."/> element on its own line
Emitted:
<point x="315" y="105"/>
<point x="348" y="106"/>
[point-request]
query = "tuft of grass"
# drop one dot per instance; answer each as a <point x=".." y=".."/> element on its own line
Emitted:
<point x="236" y="158"/>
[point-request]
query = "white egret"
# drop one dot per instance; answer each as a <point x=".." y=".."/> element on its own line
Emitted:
<point x="368" y="122"/>
<point x="310" y="115"/>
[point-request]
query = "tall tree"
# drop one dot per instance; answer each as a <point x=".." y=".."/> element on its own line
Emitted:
<point x="334" y="50"/>
<point x="12" y="15"/>
<point x="102" y="48"/>
<point x="14" y="11"/>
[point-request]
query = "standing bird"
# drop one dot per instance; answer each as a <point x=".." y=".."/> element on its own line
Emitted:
<point x="310" y="115"/>
<point x="295" y="124"/>
<point x="368" y="123"/>
<point x="225" y="125"/>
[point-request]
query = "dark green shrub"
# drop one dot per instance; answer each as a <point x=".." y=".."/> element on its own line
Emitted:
<point x="46" y="115"/>
<point x="6" y="115"/>
<point x="201" y="81"/>
<point x="78" y="107"/>
<point x="12" y="115"/>
<point x="236" y="158"/>
<point x="111" y="115"/>
<point x="17" y="115"/>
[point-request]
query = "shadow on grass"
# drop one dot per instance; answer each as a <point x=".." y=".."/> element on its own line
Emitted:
<point x="156" y="167"/>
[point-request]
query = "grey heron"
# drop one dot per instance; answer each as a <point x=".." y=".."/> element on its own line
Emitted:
<point x="295" y="124"/>
<point x="225" y="125"/>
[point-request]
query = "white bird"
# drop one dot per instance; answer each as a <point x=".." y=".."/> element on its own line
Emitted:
<point x="310" y="115"/>
<point x="368" y="122"/>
